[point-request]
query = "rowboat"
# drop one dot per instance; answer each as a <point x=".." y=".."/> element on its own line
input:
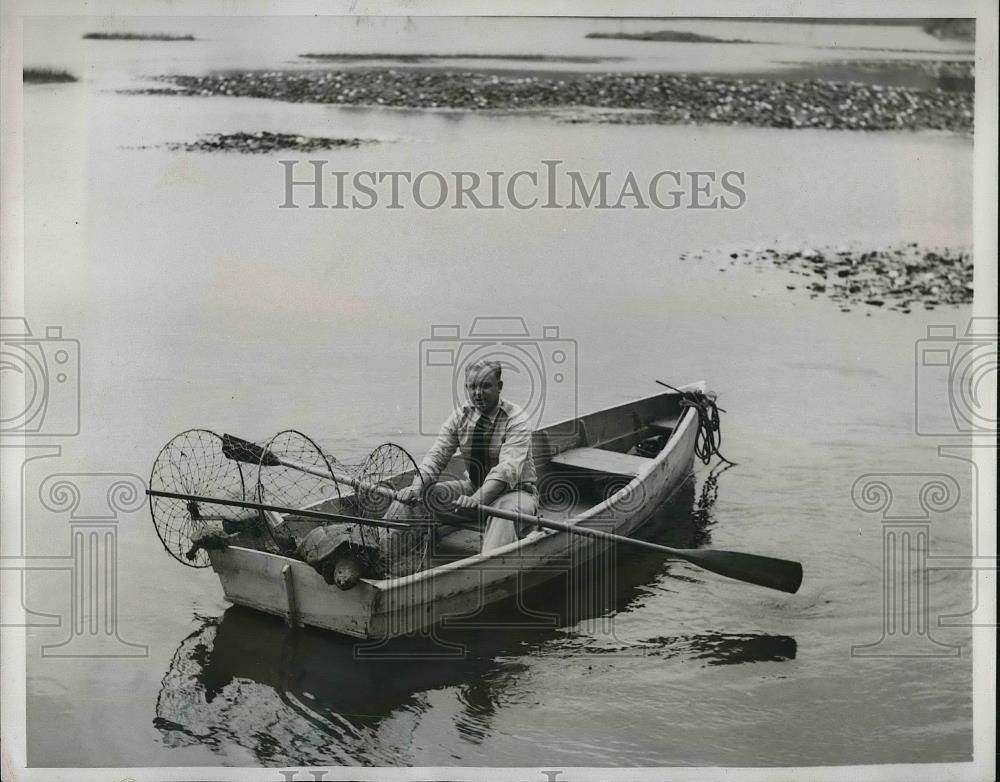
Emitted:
<point x="606" y="471"/>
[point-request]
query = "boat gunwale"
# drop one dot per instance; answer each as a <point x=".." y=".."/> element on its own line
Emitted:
<point x="517" y="547"/>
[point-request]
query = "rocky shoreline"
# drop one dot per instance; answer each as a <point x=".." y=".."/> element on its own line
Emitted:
<point x="657" y="97"/>
<point x="897" y="278"/>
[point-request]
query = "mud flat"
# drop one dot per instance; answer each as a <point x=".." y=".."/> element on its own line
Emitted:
<point x="660" y="98"/>
<point x="897" y="278"/>
<point x="261" y="142"/>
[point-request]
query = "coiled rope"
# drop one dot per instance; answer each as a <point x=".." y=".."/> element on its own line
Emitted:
<point x="709" y="436"/>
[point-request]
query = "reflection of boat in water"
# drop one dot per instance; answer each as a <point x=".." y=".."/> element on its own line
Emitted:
<point x="307" y="697"/>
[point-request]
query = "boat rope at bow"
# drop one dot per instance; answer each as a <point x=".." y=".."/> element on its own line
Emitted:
<point x="709" y="437"/>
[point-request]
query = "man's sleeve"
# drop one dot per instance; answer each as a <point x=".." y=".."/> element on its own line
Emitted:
<point x="514" y="452"/>
<point x="440" y="454"/>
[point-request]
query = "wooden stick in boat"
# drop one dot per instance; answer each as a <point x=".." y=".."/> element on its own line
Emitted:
<point x="241" y="450"/>
<point x="303" y="512"/>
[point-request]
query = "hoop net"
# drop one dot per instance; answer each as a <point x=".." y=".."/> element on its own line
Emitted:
<point x="388" y="469"/>
<point x="292" y="471"/>
<point x="306" y="478"/>
<point x="193" y="463"/>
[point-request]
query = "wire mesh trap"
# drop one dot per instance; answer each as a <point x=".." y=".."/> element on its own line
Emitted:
<point x="193" y="463"/>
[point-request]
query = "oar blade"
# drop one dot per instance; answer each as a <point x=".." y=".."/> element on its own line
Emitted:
<point x="770" y="572"/>
<point x="241" y="450"/>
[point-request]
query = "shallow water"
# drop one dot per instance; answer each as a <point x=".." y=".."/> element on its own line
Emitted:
<point x="197" y="302"/>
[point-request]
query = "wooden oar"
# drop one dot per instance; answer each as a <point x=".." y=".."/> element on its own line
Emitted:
<point x="780" y="574"/>
<point x="241" y="450"/>
<point x="303" y="512"/>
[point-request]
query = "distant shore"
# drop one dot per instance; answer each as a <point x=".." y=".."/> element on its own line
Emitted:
<point x="136" y="37"/>
<point x="651" y="98"/>
<point x="667" y="36"/>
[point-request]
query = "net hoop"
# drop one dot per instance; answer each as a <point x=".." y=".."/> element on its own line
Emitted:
<point x="290" y="487"/>
<point x="191" y="462"/>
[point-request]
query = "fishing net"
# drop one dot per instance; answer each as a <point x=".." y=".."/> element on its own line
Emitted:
<point x="193" y="463"/>
<point x="389" y="468"/>
<point x="294" y="472"/>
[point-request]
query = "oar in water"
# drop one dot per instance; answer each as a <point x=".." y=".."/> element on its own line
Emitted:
<point x="241" y="450"/>
<point x="781" y="574"/>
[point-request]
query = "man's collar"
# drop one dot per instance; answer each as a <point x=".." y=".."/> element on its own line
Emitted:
<point x="491" y="416"/>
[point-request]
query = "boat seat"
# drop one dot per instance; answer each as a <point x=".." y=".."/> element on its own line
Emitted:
<point x="666" y="424"/>
<point x="600" y="461"/>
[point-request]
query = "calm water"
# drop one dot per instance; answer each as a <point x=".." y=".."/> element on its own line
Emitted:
<point x="198" y="303"/>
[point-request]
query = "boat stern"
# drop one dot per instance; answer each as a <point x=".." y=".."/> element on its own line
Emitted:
<point x="292" y="589"/>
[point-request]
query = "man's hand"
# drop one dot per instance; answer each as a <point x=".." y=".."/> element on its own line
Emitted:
<point x="488" y="492"/>
<point x="468" y="501"/>
<point x="408" y="496"/>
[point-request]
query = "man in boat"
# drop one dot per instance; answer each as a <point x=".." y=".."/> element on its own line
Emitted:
<point x="494" y="437"/>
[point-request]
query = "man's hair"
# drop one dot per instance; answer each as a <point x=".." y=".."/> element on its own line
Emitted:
<point x="475" y="367"/>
